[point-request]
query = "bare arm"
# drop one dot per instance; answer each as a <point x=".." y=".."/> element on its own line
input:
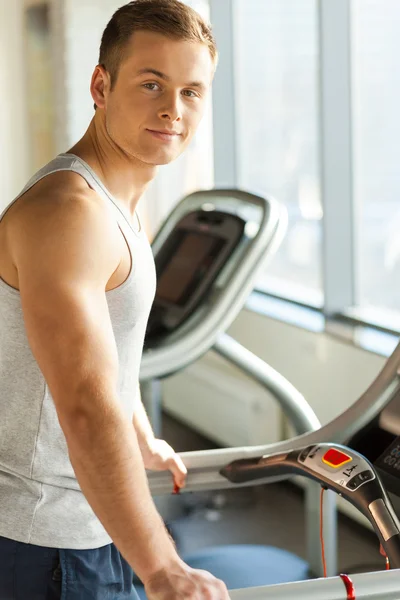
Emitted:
<point x="63" y="267"/>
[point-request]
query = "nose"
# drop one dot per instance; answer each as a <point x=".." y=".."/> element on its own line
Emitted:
<point x="171" y="108"/>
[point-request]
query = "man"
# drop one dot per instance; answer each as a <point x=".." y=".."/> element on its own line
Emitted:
<point x="77" y="283"/>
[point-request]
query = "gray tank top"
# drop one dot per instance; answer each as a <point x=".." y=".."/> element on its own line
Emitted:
<point x="40" y="499"/>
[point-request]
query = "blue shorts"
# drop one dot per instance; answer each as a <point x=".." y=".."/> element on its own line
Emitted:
<point x="29" y="572"/>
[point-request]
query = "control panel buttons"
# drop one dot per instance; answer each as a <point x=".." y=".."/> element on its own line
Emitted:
<point x="335" y="458"/>
<point x="313" y="451"/>
<point x="304" y="453"/>
<point x="359" y="479"/>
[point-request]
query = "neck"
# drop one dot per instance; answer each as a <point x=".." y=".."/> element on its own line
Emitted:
<point x="125" y="176"/>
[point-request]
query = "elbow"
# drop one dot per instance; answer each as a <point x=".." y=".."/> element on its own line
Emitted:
<point x="90" y="404"/>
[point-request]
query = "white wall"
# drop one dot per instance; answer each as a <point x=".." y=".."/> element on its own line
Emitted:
<point x="13" y="120"/>
<point x="77" y="26"/>
<point x="331" y="373"/>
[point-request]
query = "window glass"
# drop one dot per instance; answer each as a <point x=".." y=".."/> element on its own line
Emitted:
<point x="376" y="151"/>
<point x="276" y="53"/>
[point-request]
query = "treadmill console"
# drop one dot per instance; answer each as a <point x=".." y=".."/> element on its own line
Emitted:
<point x="188" y="263"/>
<point x="389" y="460"/>
<point x="379" y="442"/>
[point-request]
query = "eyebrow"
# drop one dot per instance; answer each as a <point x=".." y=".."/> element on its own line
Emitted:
<point x="145" y="70"/>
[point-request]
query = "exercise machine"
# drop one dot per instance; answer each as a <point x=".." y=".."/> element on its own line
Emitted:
<point x="208" y="255"/>
<point x="329" y="456"/>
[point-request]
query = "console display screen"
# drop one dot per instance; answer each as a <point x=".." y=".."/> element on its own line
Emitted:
<point x="389" y="460"/>
<point x="186" y="268"/>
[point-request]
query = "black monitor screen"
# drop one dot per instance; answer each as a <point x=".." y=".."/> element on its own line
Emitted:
<point x="389" y="460"/>
<point x="193" y="257"/>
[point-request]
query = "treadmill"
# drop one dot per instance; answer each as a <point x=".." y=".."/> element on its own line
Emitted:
<point x="208" y="255"/>
<point x="369" y="481"/>
<point x="357" y="455"/>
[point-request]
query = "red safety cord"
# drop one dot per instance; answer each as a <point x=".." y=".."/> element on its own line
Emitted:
<point x="383" y="553"/>
<point x="349" y="585"/>
<point x="321" y="529"/>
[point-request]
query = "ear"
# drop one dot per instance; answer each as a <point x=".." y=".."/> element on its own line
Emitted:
<point x="100" y="86"/>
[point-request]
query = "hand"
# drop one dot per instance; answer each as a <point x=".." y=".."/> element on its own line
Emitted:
<point x="159" y="456"/>
<point x="181" y="581"/>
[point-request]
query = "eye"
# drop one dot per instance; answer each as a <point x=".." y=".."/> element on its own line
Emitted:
<point x="190" y="94"/>
<point x="151" y="86"/>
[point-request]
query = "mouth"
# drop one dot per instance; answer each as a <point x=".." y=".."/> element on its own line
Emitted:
<point x="166" y="136"/>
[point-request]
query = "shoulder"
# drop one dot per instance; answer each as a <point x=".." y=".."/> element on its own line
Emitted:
<point x="62" y="198"/>
<point x="62" y="209"/>
<point x="63" y="191"/>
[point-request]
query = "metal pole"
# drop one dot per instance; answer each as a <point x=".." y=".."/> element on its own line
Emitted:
<point x="312" y="516"/>
<point x="304" y="420"/>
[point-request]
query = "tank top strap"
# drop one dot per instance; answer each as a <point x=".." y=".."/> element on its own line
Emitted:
<point x="70" y="162"/>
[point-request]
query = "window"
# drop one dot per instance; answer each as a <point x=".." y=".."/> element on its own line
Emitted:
<point x="376" y="152"/>
<point x="277" y="115"/>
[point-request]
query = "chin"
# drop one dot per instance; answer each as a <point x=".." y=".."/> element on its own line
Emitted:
<point x="161" y="159"/>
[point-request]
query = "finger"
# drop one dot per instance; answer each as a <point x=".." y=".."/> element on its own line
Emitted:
<point x="178" y="470"/>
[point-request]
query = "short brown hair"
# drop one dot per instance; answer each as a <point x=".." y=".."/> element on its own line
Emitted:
<point x="171" y="18"/>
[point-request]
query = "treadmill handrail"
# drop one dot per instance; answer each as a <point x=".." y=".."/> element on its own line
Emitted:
<point x="204" y="466"/>
<point x="368" y="586"/>
<point x="159" y="362"/>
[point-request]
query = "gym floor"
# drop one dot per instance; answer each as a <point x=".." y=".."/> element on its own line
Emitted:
<point x="271" y="515"/>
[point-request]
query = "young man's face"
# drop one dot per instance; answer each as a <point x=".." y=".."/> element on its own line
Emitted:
<point x="159" y="97"/>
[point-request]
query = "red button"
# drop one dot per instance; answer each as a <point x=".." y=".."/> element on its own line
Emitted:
<point x="334" y="458"/>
